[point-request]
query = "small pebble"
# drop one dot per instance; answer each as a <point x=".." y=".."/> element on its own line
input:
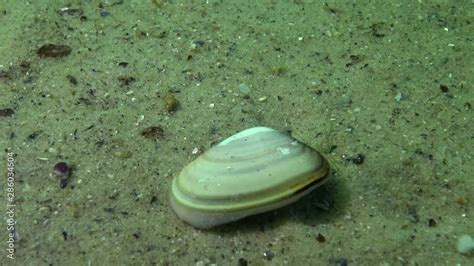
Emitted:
<point x="126" y="80"/>
<point x="431" y="222"/>
<point x="465" y="244"/>
<point x="7" y="112"/>
<point x="123" y="64"/>
<point x="344" y="101"/>
<point x="444" y="88"/>
<point x="54" y="50"/>
<point x="268" y="255"/>
<point x="68" y="11"/>
<point x="341" y="262"/>
<point x="72" y="79"/>
<point x="154" y="132"/>
<point x="279" y="70"/>
<point x="195" y="44"/>
<point x="244" y="88"/>
<point x="32" y="136"/>
<point x="243" y="262"/>
<point x="195" y="151"/>
<point x="104" y="13"/>
<point x="123" y="154"/>
<point x="359" y="159"/>
<point x="171" y="103"/>
<point x="320" y="238"/>
<point x="399" y="97"/>
<point x="62" y="171"/>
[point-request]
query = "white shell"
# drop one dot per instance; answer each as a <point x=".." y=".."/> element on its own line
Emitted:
<point x="253" y="171"/>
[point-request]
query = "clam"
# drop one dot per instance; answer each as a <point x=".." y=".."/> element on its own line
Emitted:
<point x="254" y="171"/>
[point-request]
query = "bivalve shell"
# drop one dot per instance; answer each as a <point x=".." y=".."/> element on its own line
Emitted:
<point x="253" y="171"/>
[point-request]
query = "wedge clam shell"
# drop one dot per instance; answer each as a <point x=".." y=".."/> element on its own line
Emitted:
<point x="253" y="171"/>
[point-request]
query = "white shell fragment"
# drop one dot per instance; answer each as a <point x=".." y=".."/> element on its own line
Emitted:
<point x="253" y="171"/>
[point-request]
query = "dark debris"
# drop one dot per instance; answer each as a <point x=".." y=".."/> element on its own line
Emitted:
<point x="54" y="50"/>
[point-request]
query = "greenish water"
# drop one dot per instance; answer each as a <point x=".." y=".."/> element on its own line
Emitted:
<point x="389" y="81"/>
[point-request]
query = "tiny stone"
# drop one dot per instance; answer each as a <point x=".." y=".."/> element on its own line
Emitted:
<point x="104" y="13"/>
<point x="444" y="88"/>
<point x="244" y="88"/>
<point x="431" y="222"/>
<point x="465" y="244"/>
<point x="195" y="44"/>
<point x="341" y="262"/>
<point x="63" y="182"/>
<point x="359" y="159"/>
<point x="154" y="132"/>
<point x="268" y="255"/>
<point x="44" y="209"/>
<point x="399" y="97"/>
<point x="61" y="169"/>
<point x="320" y="238"/>
<point x="67" y="11"/>
<point x="262" y="99"/>
<point x="7" y="112"/>
<point x="243" y="262"/>
<point x="72" y="79"/>
<point x="53" y="50"/>
<point x="345" y="101"/>
<point x="171" y="103"/>
<point x="123" y="154"/>
<point x="33" y="135"/>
